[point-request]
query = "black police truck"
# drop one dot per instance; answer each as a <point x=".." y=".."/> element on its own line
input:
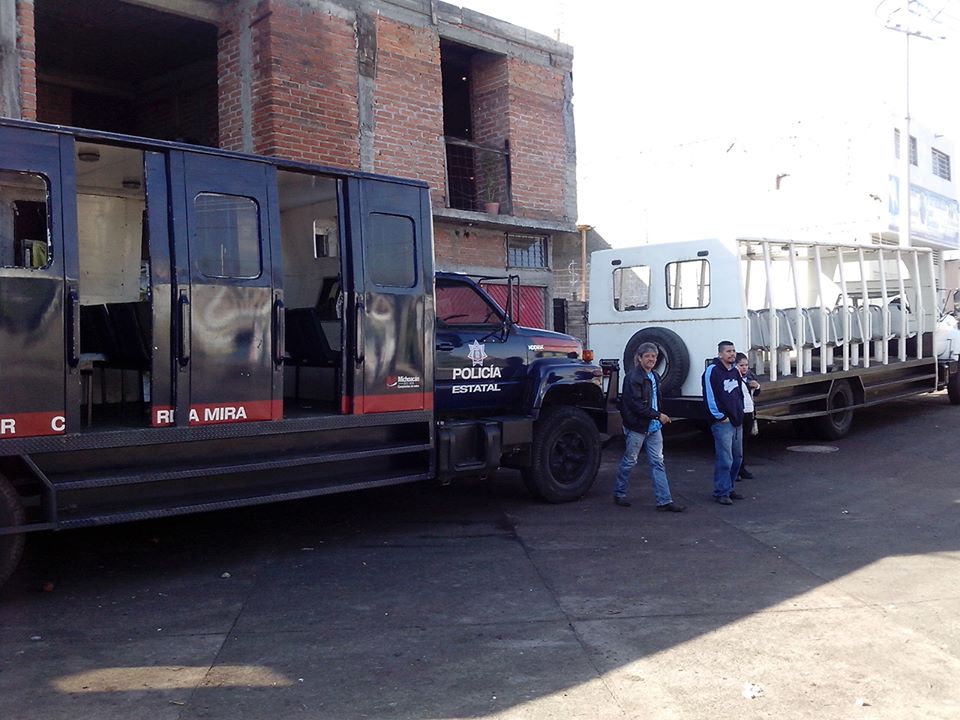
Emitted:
<point x="184" y="329"/>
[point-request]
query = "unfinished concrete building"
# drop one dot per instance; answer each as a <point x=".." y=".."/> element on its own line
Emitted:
<point x="478" y="108"/>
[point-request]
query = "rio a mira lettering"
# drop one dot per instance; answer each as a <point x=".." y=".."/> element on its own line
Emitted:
<point x="32" y="424"/>
<point x="206" y="414"/>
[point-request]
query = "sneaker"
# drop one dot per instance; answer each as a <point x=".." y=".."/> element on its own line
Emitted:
<point x="724" y="500"/>
<point x="671" y="507"/>
<point x="622" y="502"/>
<point x="745" y="474"/>
<point x="734" y="495"/>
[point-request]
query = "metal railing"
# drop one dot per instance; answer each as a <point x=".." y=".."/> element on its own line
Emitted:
<point x="478" y="176"/>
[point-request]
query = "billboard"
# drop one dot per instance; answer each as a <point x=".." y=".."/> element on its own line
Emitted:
<point x="933" y="217"/>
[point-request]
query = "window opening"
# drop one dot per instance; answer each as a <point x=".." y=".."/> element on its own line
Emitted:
<point x="123" y="67"/>
<point x="688" y="284"/>
<point x="324" y="239"/>
<point x="941" y="164"/>
<point x="631" y="288"/>
<point x="24" y="226"/>
<point x="391" y="251"/>
<point x="461" y="304"/>
<point x="227" y="236"/>
<point x="474" y="127"/>
<point x="896" y="146"/>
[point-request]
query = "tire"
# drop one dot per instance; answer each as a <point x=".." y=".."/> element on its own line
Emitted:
<point x="836" y="425"/>
<point x="673" y="360"/>
<point x="565" y="455"/>
<point x="953" y="389"/>
<point x="11" y="515"/>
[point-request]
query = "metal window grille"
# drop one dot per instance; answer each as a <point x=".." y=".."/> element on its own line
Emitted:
<point x="477" y="174"/>
<point x="941" y="164"/>
<point x="896" y="147"/>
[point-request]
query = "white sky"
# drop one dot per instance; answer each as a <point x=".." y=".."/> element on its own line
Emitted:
<point x="651" y="75"/>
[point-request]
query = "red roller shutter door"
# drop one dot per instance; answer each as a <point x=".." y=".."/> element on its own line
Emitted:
<point x="531" y="303"/>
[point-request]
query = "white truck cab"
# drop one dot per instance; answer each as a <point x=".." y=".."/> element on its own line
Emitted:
<point x="827" y="327"/>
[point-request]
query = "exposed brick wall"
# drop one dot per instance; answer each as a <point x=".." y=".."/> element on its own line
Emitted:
<point x="458" y="248"/>
<point x="538" y="140"/>
<point x="408" y="106"/>
<point x="27" y="45"/>
<point x="228" y="79"/>
<point x="303" y="83"/>
<point x="305" y="95"/>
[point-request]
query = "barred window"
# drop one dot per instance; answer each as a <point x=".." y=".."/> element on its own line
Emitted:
<point x="941" y="164"/>
<point x="913" y="147"/>
<point x="526" y="251"/>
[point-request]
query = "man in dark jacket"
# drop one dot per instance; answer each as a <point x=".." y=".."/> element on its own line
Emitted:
<point x="642" y="420"/>
<point x="724" y="400"/>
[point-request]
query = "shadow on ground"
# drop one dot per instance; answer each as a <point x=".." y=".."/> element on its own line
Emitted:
<point x="473" y="601"/>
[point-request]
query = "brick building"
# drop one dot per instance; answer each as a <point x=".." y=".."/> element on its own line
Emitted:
<point x="478" y="108"/>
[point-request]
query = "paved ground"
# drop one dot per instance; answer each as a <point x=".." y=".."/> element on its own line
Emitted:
<point x="832" y="591"/>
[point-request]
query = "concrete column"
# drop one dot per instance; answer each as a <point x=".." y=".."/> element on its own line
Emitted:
<point x="367" y="88"/>
<point x="570" y="172"/>
<point x="246" y="73"/>
<point x="9" y="61"/>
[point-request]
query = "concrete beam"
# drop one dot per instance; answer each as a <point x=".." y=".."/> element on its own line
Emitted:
<point x="204" y="10"/>
<point x="9" y="61"/>
<point x="507" y="223"/>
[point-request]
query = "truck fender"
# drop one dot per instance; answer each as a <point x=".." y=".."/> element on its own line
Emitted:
<point x="577" y="383"/>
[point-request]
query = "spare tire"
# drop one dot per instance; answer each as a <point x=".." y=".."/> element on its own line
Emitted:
<point x="673" y="360"/>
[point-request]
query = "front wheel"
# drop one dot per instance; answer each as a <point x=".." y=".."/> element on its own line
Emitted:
<point x="11" y="515"/>
<point x="565" y="455"/>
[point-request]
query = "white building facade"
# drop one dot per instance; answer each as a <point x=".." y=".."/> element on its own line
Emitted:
<point x="826" y="179"/>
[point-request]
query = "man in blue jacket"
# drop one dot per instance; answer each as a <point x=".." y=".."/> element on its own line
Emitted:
<point x="724" y="399"/>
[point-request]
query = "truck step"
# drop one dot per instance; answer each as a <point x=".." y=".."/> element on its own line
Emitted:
<point x="193" y="503"/>
<point x="87" y="481"/>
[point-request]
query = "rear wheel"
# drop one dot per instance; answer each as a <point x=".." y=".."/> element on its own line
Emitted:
<point x="837" y="424"/>
<point x="11" y="515"/>
<point x="953" y="389"/>
<point x="565" y="455"/>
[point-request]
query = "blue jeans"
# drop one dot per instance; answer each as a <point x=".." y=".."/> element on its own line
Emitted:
<point x="728" y="442"/>
<point x="654" y="444"/>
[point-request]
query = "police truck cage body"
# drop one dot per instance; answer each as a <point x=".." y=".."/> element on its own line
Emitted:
<point x="827" y="327"/>
<point x="184" y="329"/>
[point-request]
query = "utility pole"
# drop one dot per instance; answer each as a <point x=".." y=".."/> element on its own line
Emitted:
<point x="901" y="19"/>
